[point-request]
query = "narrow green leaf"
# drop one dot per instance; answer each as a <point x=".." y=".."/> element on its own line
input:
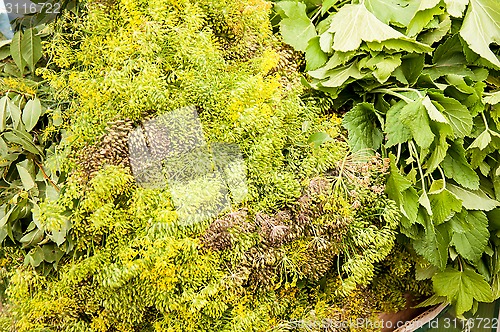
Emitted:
<point x="26" y="178"/>
<point x="31" y="113"/>
<point x="3" y="112"/>
<point x="16" y="51"/>
<point x="31" y="47"/>
<point x="470" y="234"/>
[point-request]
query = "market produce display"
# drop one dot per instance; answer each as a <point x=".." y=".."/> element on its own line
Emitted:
<point x="202" y="165"/>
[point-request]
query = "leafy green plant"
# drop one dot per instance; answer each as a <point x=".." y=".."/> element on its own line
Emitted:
<point x="28" y="152"/>
<point x="421" y="79"/>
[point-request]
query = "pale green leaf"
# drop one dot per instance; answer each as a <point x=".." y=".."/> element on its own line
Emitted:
<point x="31" y="113"/>
<point x="474" y="199"/>
<point x="341" y="75"/>
<point x="399" y="12"/>
<point x="319" y="138"/>
<point x="296" y="29"/>
<point x="383" y="66"/>
<point x="427" y="11"/>
<point x="470" y="234"/>
<point x="361" y="123"/>
<point x="432" y="110"/>
<point x="354" y="24"/>
<point x="461" y="288"/>
<point x="481" y="27"/>
<point x="425" y="202"/>
<point x="492" y="99"/>
<point x="482" y="141"/>
<point x="4" y="102"/>
<point x="456" y="8"/>
<point x="26" y="178"/>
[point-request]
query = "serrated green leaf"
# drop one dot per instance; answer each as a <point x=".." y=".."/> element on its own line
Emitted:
<point x="433" y="111"/>
<point x="474" y="199"/>
<point x="315" y="57"/>
<point x="342" y="75"/>
<point x="425" y="202"/>
<point x="458" y="115"/>
<point x="470" y="234"/>
<point x="426" y="12"/>
<point x="433" y="243"/>
<point x="361" y="123"/>
<point x="481" y="27"/>
<point x="399" y="12"/>
<point x="456" y="167"/>
<point x="31" y="47"/>
<point x="396" y="131"/>
<point x="432" y="36"/>
<point x="296" y="29"/>
<point x="411" y="67"/>
<point x="31" y="113"/>
<point x="400" y="189"/>
<point x="492" y="99"/>
<point x="443" y="204"/>
<point x="461" y="288"/>
<point x="438" y="154"/>
<point x="354" y="24"/>
<point x="414" y="116"/>
<point x="384" y="65"/>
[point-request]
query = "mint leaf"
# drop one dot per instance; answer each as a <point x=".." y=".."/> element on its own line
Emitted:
<point x="474" y="199"/>
<point x="296" y="29"/>
<point x="361" y="123"/>
<point x="481" y="27"/>
<point x="456" y="167"/>
<point x="461" y="288"/>
<point x="414" y="116"/>
<point x="353" y="24"/>
<point x="470" y="234"/>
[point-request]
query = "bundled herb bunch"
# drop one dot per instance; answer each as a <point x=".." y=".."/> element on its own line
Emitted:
<point x="421" y="81"/>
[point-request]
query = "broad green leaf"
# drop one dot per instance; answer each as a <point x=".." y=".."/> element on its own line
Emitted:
<point x="432" y="36"/>
<point x="470" y="234"/>
<point x="481" y="27"/>
<point x="411" y="67"/>
<point x="458" y="115"/>
<point x="433" y="243"/>
<point x="31" y="47"/>
<point x="4" y="102"/>
<point x="456" y="8"/>
<point x="16" y="51"/>
<point x="341" y="75"/>
<point x="396" y="131"/>
<point x="296" y="29"/>
<point x="492" y="99"/>
<point x="315" y="57"/>
<point x="414" y="116"/>
<point x="383" y="66"/>
<point x="32" y="238"/>
<point x="438" y="153"/>
<point x="461" y="288"/>
<point x="400" y="189"/>
<point x="31" y="113"/>
<point x="433" y="111"/>
<point x="26" y="178"/>
<point x="474" y="199"/>
<point x="361" y="123"/>
<point x="443" y="204"/>
<point x="399" y="12"/>
<point x="35" y="257"/>
<point x="427" y="10"/>
<point x="51" y="253"/>
<point x="482" y="141"/>
<point x="456" y="167"/>
<point x="353" y="24"/>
